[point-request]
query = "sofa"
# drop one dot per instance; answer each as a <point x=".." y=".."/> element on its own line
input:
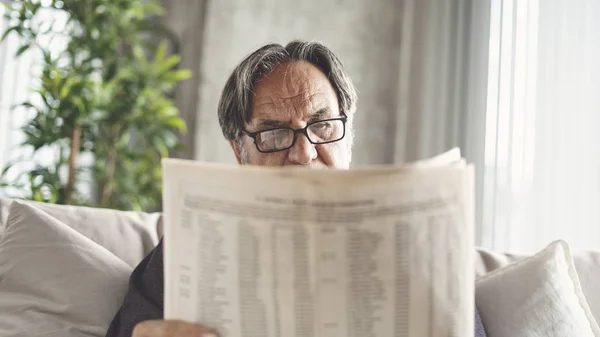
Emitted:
<point x="64" y="269"/>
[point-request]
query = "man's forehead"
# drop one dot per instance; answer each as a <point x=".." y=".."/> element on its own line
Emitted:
<point x="295" y="90"/>
<point x="296" y="80"/>
<point x="319" y="103"/>
<point x="274" y="102"/>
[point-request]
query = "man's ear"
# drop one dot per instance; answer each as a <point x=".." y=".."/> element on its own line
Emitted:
<point x="235" y="146"/>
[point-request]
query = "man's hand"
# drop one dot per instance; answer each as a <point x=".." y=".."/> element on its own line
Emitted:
<point x="170" y="328"/>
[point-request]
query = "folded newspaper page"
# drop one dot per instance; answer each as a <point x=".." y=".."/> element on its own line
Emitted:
<point x="290" y="252"/>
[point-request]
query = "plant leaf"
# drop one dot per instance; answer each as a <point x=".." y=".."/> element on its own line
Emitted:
<point x="161" y="51"/>
<point x="22" y="49"/>
<point x="78" y="101"/>
<point x="176" y="76"/>
<point x="169" y="63"/>
<point x="154" y="8"/>
<point x="176" y="123"/>
<point x="8" y="31"/>
<point x="24" y="105"/>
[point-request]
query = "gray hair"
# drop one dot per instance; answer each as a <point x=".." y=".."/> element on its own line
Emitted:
<point x="235" y="105"/>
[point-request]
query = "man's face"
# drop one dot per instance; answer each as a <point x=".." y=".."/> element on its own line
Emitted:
<point x="293" y="95"/>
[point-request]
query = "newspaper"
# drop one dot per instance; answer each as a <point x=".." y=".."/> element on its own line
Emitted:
<point x="290" y="252"/>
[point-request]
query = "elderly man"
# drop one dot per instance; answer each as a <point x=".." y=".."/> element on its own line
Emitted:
<point x="289" y="105"/>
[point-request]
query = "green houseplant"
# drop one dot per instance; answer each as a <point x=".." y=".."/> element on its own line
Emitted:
<point x="105" y="94"/>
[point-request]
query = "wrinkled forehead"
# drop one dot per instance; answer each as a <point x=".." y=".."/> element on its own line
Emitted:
<point x="293" y="90"/>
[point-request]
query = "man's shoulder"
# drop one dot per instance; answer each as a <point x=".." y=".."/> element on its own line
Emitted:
<point x="149" y="274"/>
<point x="144" y="297"/>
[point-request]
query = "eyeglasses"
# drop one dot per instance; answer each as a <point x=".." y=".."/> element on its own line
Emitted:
<point x="318" y="132"/>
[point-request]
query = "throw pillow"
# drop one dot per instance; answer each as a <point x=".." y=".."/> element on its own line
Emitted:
<point x="537" y="296"/>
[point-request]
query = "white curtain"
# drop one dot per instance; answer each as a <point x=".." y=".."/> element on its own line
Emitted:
<point x="18" y="76"/>
<point x="443" y="83"/>
<point x="442" y="76"/>
<point x="541" y="176"/>
<point x="15" y="78"/>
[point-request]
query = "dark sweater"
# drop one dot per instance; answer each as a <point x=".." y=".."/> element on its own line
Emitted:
<point x="144" y="299"/>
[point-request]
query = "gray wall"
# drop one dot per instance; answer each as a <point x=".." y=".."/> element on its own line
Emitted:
<point x="364" y="34"/>
<point x="416" y="64"/>
<point x="185" y="20"/>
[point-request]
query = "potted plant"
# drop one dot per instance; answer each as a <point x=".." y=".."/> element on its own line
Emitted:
<point x="104" y="96"/>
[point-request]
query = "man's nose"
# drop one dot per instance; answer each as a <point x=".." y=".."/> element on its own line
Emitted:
<point x="303" y="151"/>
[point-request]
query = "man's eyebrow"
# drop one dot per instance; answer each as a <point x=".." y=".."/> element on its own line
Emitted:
<point x="269" y="123"/>
<point x="319" y="114"/>
<point x="272" y="123"/>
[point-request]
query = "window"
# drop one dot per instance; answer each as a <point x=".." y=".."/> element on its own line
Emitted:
<point x="18" y="76"/>
<point x="542" y="163"/>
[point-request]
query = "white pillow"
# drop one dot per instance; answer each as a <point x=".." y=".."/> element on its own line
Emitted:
<point x="537" y="296"/>
<point x="54" y="281"/>
<point x="129" y="235"/>
<point x="587" y="264"/>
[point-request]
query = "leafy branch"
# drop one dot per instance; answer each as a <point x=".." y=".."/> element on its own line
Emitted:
<point x="105" y="96"/>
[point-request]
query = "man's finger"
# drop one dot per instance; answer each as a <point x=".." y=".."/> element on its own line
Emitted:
<point x="171" y="328"/>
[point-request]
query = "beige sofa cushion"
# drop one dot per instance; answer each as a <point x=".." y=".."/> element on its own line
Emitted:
<point x="4" y="203"/>
<point x="128" y="235"/>
<point x="587" y="264"/>
<point x="54" y="281"/>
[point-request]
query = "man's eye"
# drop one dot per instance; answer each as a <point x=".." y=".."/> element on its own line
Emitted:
<point x="323" y="125"/>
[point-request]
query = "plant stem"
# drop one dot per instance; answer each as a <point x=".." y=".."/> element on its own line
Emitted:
<point x="75" y="141"/>
<point x="111" y="164"/>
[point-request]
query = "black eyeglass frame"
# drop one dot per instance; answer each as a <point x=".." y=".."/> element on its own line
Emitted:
<point x="303" y="130"/>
